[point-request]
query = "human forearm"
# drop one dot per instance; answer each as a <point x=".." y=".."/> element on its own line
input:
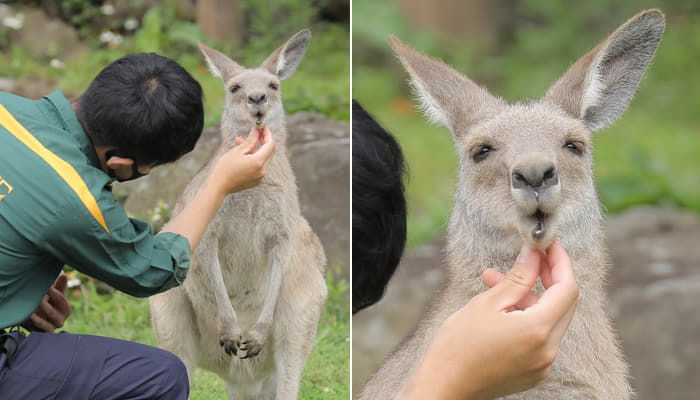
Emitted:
<point x="193" y="220"/>
<point x="432" y="382"/>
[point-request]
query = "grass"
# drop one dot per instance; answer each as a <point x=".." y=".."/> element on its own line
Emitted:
<point x="326" y="375"/>
<point x="649" y="156"/>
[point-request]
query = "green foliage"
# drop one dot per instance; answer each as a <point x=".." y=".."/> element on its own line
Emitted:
<point x="327" y="371"/>
<point x="647" y="157"/>
<point x="321" y="83"/>
<point x="79" y="12"/>
<point x="269" y="23"/>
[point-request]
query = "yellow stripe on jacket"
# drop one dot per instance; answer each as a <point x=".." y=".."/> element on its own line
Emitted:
<point x="62" y="168"/>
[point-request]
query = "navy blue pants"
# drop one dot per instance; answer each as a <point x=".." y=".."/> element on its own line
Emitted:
<point x="76" y="367"/>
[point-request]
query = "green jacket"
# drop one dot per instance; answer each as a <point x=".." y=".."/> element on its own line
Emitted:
<point x="56" y="208"/>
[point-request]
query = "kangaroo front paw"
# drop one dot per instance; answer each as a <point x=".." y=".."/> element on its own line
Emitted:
<point x="253" y="343"/>
<point x="230" y="342"/>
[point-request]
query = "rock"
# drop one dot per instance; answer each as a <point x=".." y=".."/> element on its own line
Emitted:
<point x="5" y="11"/>
<point x="381" y="327"/>
<point x="319" y="151"/>
<point x="653" y="291"/>
<point x="48" y="38"/>
<point x="320" y="155"/>
<point x="7" y="84"/>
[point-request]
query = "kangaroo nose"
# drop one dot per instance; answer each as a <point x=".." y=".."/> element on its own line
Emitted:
<point x="257" y="99"/>
<point x="535" y="176"/>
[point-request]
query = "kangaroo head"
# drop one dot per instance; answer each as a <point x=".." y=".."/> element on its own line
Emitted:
<point x="253" y="95"/>
<point x="526" y="168"/>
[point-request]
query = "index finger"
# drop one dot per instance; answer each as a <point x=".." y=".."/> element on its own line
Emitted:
<point x="561" y="296"/>
<point x="267" y="148"/>
<point x="61" y="282"/>
<point x="561" y="269"/>
<point x="265" y="135"/>
<point x="59" y="301"/>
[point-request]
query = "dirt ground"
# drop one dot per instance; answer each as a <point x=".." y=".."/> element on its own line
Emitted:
<point x="654" y="293"/>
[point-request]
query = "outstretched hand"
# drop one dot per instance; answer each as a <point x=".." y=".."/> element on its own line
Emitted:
<point x="505" y="339"/>
<point x="244" y="166"/>
<point x="53" y="310"/>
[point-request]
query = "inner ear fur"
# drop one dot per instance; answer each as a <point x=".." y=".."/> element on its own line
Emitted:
<point x="219" y="64"/>
<point x="445" y="96"/>
<point x="600" y="85"/>
<point x="286" y="58"/>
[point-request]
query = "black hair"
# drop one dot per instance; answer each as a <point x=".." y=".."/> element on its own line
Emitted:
<point x="146" y="105"/>
<point x="378" y="208"/>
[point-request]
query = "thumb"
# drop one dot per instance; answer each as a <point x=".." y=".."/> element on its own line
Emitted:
<point x="61" y="283"/>
<point x="251" y="140"/>
<point x="519" y="281"/>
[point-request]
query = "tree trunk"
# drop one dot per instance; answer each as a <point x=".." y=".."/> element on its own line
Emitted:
<point x="221" y="19"/>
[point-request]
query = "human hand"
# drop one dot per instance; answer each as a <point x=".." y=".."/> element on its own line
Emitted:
<point x="505" y="339"/>
<point x="244" y="166"/>
<point x="53" y="310"/>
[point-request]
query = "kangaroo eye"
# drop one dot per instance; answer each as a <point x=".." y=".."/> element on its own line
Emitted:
<point x="273" y="86"/>
<point x="574" y="146"/>
<point x="479" y="153"/>
<point x="235" y="88"/>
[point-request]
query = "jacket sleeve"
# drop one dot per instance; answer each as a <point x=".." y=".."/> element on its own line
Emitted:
<point x="126" y="254"/>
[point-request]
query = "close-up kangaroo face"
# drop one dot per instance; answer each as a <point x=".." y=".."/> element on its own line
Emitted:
<point x="533" y="162"/>
<point x="525" y="168"/>
<point x="252" y="95"/>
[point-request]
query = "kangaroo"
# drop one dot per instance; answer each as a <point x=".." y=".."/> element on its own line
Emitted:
<point x="249" y="308"/>
<point x="525" y="175"/>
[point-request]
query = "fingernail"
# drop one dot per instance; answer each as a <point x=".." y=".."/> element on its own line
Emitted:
<point x="524" y="255"/>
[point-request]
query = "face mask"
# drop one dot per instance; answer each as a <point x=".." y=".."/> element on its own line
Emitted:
<point x="134" y="167"/>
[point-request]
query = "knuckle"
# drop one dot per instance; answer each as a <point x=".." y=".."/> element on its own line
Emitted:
<point x="539" y="336"/>
<point x="548" y="357"/>
<point x="575" y="290"/>
<point x="543" y="373"/>
<point x="258" y="164"/>
<point x="518" y="278"/>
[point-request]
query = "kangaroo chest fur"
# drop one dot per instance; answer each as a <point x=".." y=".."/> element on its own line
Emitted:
<point x="248" y="225"/>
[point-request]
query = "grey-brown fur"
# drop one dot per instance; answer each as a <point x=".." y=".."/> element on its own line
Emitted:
<point x="530" y="168"/>
<point x="255" y="289"/>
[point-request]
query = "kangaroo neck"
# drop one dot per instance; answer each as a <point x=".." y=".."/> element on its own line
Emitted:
<point x="229" y="132"/>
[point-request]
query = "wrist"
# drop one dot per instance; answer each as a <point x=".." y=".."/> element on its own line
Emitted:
<point x="215" y="186"/>
<point x="439" y="379"/>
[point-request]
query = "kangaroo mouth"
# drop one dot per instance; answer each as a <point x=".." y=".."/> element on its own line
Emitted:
<point x="540" y="220"/>
<point x="259" y="118"/>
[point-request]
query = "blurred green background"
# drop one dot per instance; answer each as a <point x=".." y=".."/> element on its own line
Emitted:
<point x="516" y="48"/>
<point x="86" y="35"/>
<point x="47" y="45"/>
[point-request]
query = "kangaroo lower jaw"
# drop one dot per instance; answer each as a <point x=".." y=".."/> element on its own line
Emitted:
<point x="259" y="118"/>
<point x="541" y="226"/>
<point x="537" y="229"/>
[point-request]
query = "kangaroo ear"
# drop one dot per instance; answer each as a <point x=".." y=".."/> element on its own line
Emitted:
<point x="600" y="85"/>
<point x="219" y="65"/>
<point x="285" y="60"/>
<point x="445" y="96"/>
